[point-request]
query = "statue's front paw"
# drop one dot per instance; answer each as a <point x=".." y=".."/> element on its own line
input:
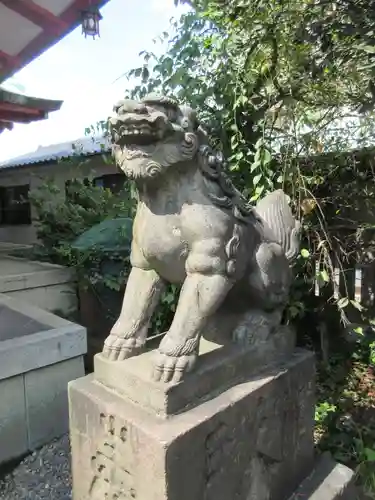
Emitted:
<point x="174" y="359"/>
<point x="172" y="368"/>
<point x="118" y="348"/>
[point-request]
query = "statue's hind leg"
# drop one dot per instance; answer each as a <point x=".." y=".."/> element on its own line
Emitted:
<point x="255" y="326"/>
<point x="200" y="297"/>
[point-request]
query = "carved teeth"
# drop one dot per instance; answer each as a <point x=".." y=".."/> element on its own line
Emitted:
<point x="135" y="131"/>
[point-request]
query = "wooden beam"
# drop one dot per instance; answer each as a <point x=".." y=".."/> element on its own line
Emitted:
<point x="37" y="15"/>
<point x="9" y="61"/>
<point x="5" y="125"/>
<point x="16" y="108"/>
<point x="9" y="116"/>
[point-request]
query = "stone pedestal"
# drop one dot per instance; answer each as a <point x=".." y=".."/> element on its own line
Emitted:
<point x="224" y="433"/>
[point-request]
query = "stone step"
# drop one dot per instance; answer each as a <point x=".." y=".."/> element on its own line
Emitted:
<point x="329" y="480"/>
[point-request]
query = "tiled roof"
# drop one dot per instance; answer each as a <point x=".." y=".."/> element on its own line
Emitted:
<point x="86" y="146"/>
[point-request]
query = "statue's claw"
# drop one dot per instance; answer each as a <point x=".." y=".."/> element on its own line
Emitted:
<point x="175" y="357"/>
<point x="119" y="348"/>
<point x="172" y="368"/>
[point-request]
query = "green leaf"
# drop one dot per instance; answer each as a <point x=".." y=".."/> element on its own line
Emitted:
<point x="266" y="157"/>
<point x="145" y="74"/>
<point x="359" y="330"/>
<point x="258" y="156"/>
<point x="369" y="454"/>
<point x="259" y="190"/>
<point x="357" y="305"/>
<point x="256" y="179"/>
<point x="370" y="49"/>
<point x="324" y="275"/>
<point x="305" y="253"/>
<point x="293" y="311"/>
<point x="343" y="302"/>
<point x="255" y="165"/>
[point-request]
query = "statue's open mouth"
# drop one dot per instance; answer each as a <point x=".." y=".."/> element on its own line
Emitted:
<point x="138" y="132"/>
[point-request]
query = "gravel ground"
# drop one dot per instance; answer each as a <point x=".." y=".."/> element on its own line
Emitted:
<point x="43" y="475"/>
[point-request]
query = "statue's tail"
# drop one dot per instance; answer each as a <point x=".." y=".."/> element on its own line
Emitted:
<point x="275" y="210"/>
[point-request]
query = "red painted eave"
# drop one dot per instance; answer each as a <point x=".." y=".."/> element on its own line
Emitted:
<point x="48" y="28"/>
<point x="18" y="108"/>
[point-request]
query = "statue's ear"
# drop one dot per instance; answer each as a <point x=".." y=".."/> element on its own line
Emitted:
<point x="189" y="146"/>
<point x="202" y="135"/>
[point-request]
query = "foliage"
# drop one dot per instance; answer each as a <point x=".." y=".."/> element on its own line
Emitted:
<point x="286" y="90"/>
<point x="62" y="217"/>
<point x="252" y="69"/>
<point x="345" y="412"/>
<point x="164" y="313"/>
<point x="278" y="84"/>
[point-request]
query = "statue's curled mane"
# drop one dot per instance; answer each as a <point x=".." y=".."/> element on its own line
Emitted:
<point x="220" y="188"/>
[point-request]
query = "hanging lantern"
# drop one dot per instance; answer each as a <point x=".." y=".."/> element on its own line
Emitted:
<point x="90" y="21"/>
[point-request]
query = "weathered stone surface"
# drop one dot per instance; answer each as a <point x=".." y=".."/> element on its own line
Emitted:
<point x="47" y="400"/>
<point x="253" y="441"/>
<point x="13" y="424"/>
<point x="218" y="369"/>
<point x="328" y="481"/>
<point x="34" y="407"/>
<point x="39" y="354"/>
<point x="14" y="324"/>
<point x="29" y="348"/>
<point x="45" y="285"/>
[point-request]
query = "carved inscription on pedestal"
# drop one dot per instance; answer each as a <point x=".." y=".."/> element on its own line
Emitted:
<point x="111" y="480"/>
<point x="219" y="448"/>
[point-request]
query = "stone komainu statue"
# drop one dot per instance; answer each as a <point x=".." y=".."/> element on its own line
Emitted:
<point x="193" y="227"/>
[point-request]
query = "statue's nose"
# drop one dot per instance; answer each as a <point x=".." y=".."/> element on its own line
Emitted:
<point x="140" y="109"/>
<point x="130" y="106"/>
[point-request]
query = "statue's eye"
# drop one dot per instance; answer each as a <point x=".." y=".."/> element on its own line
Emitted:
<point x="185" y="123"/>
<point x="171" y="114"/>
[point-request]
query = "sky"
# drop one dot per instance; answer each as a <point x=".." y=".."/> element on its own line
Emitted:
<point x="83" y="73"/>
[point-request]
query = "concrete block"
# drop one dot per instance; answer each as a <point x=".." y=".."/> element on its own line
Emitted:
<point x="328" y="480"/>
<point x="39" y="354"/>
<point x="44" y="285"/>
<point x="251" y="441"/>
<point x="7" y="248"/>
<point x="23" y="348"/>
<point x="13" y="427"/>
<point x="47" y="400"/>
